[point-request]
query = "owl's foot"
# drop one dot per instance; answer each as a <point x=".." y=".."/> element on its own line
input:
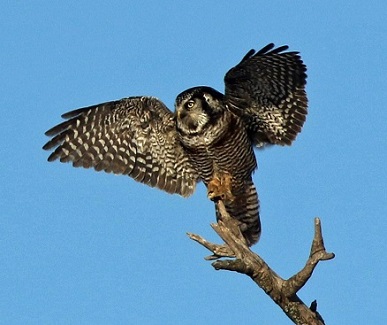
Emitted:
<point x="219" y="188"/>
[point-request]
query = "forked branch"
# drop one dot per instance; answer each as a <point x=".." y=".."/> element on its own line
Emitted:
<point x="236" y="256"/>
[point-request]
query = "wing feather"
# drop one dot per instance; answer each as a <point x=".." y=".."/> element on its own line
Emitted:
<point x="267" y="89"/>
<point x="134" y="136"/>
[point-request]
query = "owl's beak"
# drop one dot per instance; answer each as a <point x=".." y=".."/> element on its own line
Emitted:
<point x="181" y="114"/>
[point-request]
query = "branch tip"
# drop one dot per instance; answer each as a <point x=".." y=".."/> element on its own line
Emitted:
<point x="318" y="248"/>
<point x="218" y="251"/>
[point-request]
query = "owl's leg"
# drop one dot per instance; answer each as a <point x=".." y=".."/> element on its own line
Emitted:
<point x="219" y="188"/>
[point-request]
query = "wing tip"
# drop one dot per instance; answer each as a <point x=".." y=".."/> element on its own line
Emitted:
<point x="52" y="157"/>
<point x="271" y="49"/>
<point x="46" y="146"/>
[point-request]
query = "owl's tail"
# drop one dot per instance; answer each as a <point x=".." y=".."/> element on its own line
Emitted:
<point x="245" y="208"/>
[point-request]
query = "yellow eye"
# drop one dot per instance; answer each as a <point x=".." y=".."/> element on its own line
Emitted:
<point x="190" y="104"/>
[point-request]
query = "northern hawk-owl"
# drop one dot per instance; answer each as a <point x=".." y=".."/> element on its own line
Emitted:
<point x="210" y="137"/>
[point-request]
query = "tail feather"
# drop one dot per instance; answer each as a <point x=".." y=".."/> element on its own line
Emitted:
<point x="245" y="208"/>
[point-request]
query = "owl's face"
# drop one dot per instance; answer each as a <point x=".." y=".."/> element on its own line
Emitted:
<point x="196" y="108"/>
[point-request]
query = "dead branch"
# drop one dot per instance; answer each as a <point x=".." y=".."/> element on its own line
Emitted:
<point x="242" y="260"/>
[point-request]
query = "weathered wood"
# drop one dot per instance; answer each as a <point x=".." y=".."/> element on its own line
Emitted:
<point x="242" y="260"/>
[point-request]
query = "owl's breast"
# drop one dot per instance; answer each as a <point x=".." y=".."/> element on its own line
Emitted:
<point x="222" y="148"/>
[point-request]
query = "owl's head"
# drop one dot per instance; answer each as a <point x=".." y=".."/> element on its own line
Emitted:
<point x="197" y="108"/>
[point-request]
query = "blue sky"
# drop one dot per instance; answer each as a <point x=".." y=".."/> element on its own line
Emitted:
<point x="80" y="247"/>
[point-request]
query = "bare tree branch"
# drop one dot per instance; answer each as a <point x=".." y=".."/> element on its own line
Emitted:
<point x="242" y="260"/>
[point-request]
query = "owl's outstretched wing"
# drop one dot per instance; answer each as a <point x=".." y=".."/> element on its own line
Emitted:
<point x="267" y="89"/>
<point x="134" y="136"/>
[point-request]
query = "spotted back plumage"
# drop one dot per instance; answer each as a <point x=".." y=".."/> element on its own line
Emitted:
<point x="210" y="136"/>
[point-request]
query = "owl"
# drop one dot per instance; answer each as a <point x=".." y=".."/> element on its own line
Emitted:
<point x="210" y="137"/>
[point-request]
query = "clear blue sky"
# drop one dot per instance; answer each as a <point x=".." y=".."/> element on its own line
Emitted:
<point x="80" y="247"/>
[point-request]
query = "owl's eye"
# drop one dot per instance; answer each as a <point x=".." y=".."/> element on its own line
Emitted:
<point x="190" y="104"/>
